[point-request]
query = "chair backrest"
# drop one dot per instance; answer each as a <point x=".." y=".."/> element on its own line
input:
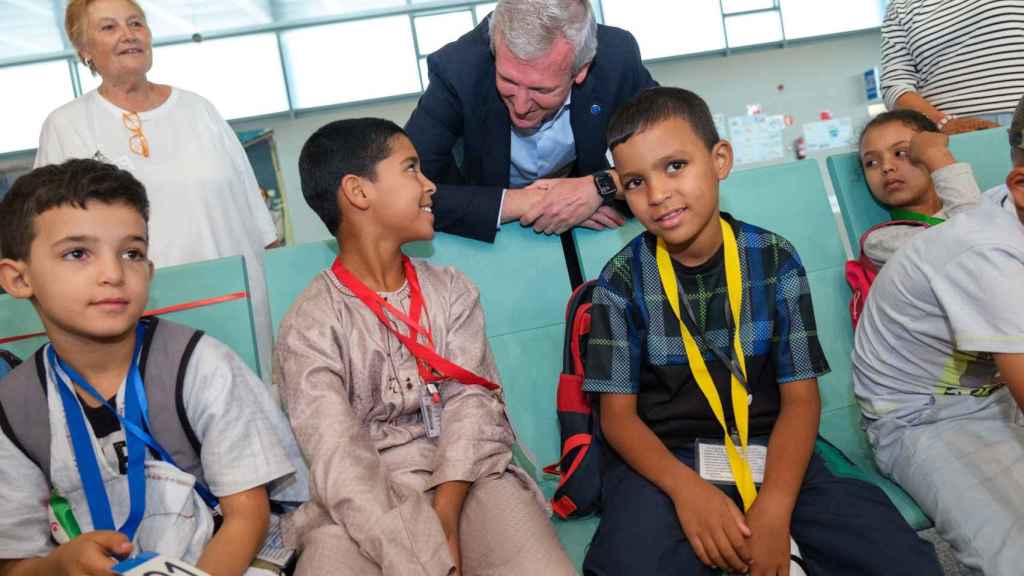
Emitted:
<point x="987" y="152"/>
<point x="523" y="290"/>
<point x="211" y="296"/>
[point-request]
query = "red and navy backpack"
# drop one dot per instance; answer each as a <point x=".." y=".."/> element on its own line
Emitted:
<point x="579" y="468"/>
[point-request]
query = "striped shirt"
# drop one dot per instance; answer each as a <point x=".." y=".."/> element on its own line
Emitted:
<point x="964" y="57"/>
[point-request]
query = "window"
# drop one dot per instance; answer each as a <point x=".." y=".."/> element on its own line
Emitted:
<point x="289" y="10"/>
<point x="175" y="18"/>
<point x="436" y="30"/>
<point x="734" y="6"/>
<point x="753" y="28"/>
<point x="668" y="27"/>
<point x="27" y="28"/>
<point x="350" y="61"/>
<point x="483" y="10"/>
<point x="805" y="18"/>
<point x="31" y="92"/>
<point x="424" y="75"/>
<point x="87" y="81"/>
<point x="241" y="75"/>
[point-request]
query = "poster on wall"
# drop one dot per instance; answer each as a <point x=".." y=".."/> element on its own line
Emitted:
<point x="836" y="133"/>
<point x="259" y="147"/>
<point x="757" y="138"/>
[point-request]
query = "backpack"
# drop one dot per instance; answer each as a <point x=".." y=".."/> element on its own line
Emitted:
<point x="165" y="356"/>
<point x="861" y="273"/>
<point x="579" y="487"/>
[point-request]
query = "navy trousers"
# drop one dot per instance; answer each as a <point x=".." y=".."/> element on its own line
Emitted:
<point x="843" y="526"/>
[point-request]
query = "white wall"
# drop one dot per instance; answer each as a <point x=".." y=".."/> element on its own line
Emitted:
<point x="816" y="75"/>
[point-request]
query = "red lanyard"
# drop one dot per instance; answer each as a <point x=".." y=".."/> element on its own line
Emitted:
<point x="432" y="367"/>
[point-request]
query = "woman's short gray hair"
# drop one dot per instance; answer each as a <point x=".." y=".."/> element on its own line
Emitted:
<point x="530" y="27"/>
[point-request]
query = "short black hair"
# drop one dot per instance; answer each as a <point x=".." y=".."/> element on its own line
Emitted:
<point x="75" y="183"/>
<point x="657" y="105"/>
<point x="353" y="146"/>
<point x="910" y="118"/>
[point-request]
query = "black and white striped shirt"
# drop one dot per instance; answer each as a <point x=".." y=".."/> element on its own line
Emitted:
<point x="964" y="57"/>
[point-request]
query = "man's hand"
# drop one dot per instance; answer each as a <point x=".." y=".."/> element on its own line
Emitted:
<point x="566" y="202"/>
<point x="91" y="554"/>
<point x="970" y="124"/>
<point x="769" y="540"/>
<point x="605" y="218"/>
<point x="714" y="526"/>
<point x="931" y="150"/>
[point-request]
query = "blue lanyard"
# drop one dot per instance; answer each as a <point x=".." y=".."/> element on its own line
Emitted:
<point x="85" y="456"/>
<point x="136" y="415"/>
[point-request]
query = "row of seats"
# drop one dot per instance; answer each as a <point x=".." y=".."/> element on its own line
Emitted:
<point x="524" y="287"/>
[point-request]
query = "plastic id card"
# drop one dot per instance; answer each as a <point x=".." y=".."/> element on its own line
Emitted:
<point x="713" y="462"/>
<point x="150" y="564"/>
<point x="431" y="408"/>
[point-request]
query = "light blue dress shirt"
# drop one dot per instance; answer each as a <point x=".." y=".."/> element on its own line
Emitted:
<point x="544" y="151"/>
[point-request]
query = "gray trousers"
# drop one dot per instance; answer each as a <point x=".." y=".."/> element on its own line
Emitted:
<point x="963" y="462"/>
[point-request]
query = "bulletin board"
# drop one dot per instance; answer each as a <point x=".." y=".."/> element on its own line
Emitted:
<point x="259" y="147"/>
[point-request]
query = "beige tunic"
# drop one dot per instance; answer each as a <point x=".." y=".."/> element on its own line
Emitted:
<point x="352" y="393"/>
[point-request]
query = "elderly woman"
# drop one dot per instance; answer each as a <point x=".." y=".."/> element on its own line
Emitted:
<point x="205" y="200"/>
<point x="957" y="63"/>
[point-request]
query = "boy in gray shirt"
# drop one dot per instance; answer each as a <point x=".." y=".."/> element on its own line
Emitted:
<point x="939" y="375"/>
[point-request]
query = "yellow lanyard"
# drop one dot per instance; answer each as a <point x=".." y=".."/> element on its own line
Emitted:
<point x="734" y="286"/>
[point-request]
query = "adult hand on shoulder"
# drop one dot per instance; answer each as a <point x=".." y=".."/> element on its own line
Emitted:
<point x="714" y="527"/>
<point x="769" y="540"/>
<point x="566" y="202"/>
<point x="968" y="124"/>
<point x="91" y="554"/>
<point x="931" y="150"/>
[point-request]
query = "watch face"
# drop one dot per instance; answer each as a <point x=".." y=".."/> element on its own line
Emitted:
<point x="605" y="185"/>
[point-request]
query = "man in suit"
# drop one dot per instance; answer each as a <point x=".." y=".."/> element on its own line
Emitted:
<point x="512" y="124"/>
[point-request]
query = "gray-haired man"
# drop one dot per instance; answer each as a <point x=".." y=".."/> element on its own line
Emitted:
<point x="512" y="125"/>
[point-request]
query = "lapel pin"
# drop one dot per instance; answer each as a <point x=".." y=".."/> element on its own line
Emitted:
<point x="595" y="109"/>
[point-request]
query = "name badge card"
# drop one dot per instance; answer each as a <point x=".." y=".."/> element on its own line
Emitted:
<point x="150" y="564"/>
<point x="713" y="462"/>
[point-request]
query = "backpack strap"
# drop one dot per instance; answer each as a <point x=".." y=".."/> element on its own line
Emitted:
<point x="166" y="353"/>
<point x="11" y="360"/>
<point x="24" y="411"/>
<point x="165" y="357"/>
<point x="578" y="306"/>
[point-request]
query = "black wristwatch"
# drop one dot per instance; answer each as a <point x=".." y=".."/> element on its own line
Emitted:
<point x="606" y="188"/>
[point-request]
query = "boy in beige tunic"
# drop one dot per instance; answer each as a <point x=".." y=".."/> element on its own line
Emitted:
<point x="411" y="470"/>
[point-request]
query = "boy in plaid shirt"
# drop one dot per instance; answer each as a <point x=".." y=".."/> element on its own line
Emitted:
<point x="705" y="354"/>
